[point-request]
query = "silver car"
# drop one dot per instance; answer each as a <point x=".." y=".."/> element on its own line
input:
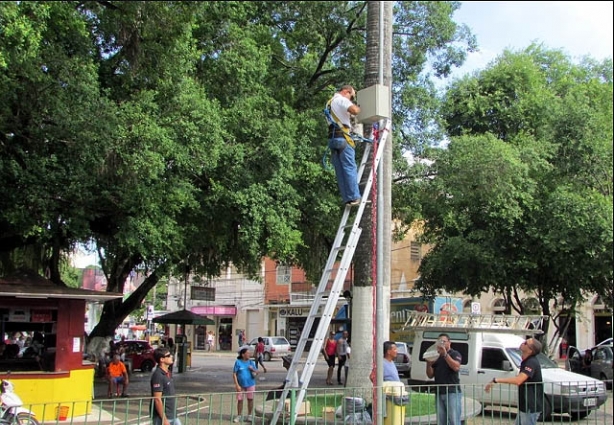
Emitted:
<point x="599" y="366"/>
<point x="274" y="346"/>
<point x="603" y="361"/>
<point x="403" y="360"/>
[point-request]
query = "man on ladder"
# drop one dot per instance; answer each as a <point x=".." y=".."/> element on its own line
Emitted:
<point x="339" y="110"/>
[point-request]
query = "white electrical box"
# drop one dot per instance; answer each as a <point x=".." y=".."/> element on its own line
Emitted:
<point x="374" y="102"/>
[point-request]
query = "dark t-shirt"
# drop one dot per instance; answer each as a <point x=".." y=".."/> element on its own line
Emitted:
<point x="162" y="382"/>
<point x="444" y="375"/>
<point x="531" y="392"/>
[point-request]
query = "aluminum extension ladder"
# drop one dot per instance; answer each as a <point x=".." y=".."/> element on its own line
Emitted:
<point x="346" y="243"/>
<point x="475" y="322"/>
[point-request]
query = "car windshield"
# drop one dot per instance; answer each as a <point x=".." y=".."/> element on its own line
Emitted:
<point x="401" y="348"/>
<point x="544" y="361"/>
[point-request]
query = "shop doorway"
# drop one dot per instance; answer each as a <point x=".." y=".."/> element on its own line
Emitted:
<point x="225" y="334"/>
<point x="603" y="325"/>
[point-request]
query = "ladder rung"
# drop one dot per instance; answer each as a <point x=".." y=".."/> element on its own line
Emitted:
<point x="328" y="294"/>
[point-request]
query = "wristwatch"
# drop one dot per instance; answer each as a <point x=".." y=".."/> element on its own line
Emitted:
<point x="494" y="380"/>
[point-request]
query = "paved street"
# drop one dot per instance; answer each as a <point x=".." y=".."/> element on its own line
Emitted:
<point x="211" y="373"/>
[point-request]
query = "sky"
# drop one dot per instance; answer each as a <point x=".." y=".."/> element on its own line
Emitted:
<point x="578" y="28"/>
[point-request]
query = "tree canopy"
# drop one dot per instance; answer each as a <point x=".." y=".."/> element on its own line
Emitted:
<point x="181" y="136"/>
<point x="522" y="197"/>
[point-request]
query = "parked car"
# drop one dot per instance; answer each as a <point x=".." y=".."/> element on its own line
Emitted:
<point x="274" y="346"/>
<point x="403" y="360"/>
<point x="139" y="353"/>
<point x="600" y="365"/>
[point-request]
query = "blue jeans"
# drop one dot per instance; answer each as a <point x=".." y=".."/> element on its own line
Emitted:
<point x="344" y="161"/>
<point x="449" y="409"/>
<point x="158" y="421"/>
<point x="527" y="418"/>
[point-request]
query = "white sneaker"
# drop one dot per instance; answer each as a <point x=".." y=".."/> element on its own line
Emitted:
<point x="237" y="419"/>
<point x="248" y="418"/>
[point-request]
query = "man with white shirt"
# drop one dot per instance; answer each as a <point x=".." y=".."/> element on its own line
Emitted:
<point x="342" y="146"/>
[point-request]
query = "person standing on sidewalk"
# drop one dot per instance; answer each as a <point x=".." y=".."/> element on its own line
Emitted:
<point x="163" y="403"/>
<point x="342" y="348"/>
<point x="330" y="351"/>
<point x="529" y="382"/>
<point x="244" y="374"/>
<point x="445" y="371"/>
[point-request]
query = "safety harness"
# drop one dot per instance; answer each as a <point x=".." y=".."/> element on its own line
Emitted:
<point x="335" y="126"/>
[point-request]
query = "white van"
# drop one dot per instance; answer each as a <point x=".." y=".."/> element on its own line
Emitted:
<point x="490" y="349"/>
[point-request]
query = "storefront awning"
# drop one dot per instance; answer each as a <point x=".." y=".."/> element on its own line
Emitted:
<point x="27" y="284"/>
<point x="215" y="310"/>
<point x="342" y="315"/>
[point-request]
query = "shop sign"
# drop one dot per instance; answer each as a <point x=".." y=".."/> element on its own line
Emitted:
<point x="41" y="315"/>
<point x="203" y="293"/>
<point x="293" y="312"/>
<point x="19" y="315"/>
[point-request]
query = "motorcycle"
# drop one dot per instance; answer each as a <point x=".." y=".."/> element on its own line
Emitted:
<point x="12" y="411"/>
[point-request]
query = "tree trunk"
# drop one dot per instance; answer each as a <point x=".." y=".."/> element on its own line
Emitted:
<point x="363" y="301"/>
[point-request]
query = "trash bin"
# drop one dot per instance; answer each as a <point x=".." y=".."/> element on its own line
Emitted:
<point x="396" y="399"/>
<point x="61" y="412"/>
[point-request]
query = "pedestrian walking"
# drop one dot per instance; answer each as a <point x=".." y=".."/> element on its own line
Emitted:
<point x="529" y="382"/>
<point x="210" y="339"/>
<point x="244" y="374"/>
<point x="445" y="371"/>
<point x="260" y="353"/>
<point x="163" y="403"/>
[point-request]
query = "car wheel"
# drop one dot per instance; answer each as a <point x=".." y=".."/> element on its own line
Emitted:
<point x="606" y="381"/>
<point x="147" y="366"/>
<point x="267" y="357"/>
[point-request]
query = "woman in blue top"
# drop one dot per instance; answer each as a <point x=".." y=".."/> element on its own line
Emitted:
<point x="244" y="374"/>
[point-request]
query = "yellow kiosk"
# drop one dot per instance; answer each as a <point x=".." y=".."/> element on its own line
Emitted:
<point x="52" y="378"/>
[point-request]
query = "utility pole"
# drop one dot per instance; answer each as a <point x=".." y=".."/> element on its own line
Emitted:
<point x="378" y="70"/>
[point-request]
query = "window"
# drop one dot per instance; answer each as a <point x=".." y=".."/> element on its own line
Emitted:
<point x="415" y="251"/>
<point x="492" y="358"/>
<point x="283" y="274"/>
<point x="498" y="305"/>
<point x="29" y="340"/>
<point x="531" y="306"/>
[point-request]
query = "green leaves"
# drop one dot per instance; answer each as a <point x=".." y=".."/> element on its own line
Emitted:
<point x="522" y="199"/>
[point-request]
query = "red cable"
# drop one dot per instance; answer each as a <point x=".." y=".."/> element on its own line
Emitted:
<point x="376" y="139"/>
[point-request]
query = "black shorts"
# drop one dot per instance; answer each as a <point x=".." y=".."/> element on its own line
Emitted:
<point x="330" y="361"/>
